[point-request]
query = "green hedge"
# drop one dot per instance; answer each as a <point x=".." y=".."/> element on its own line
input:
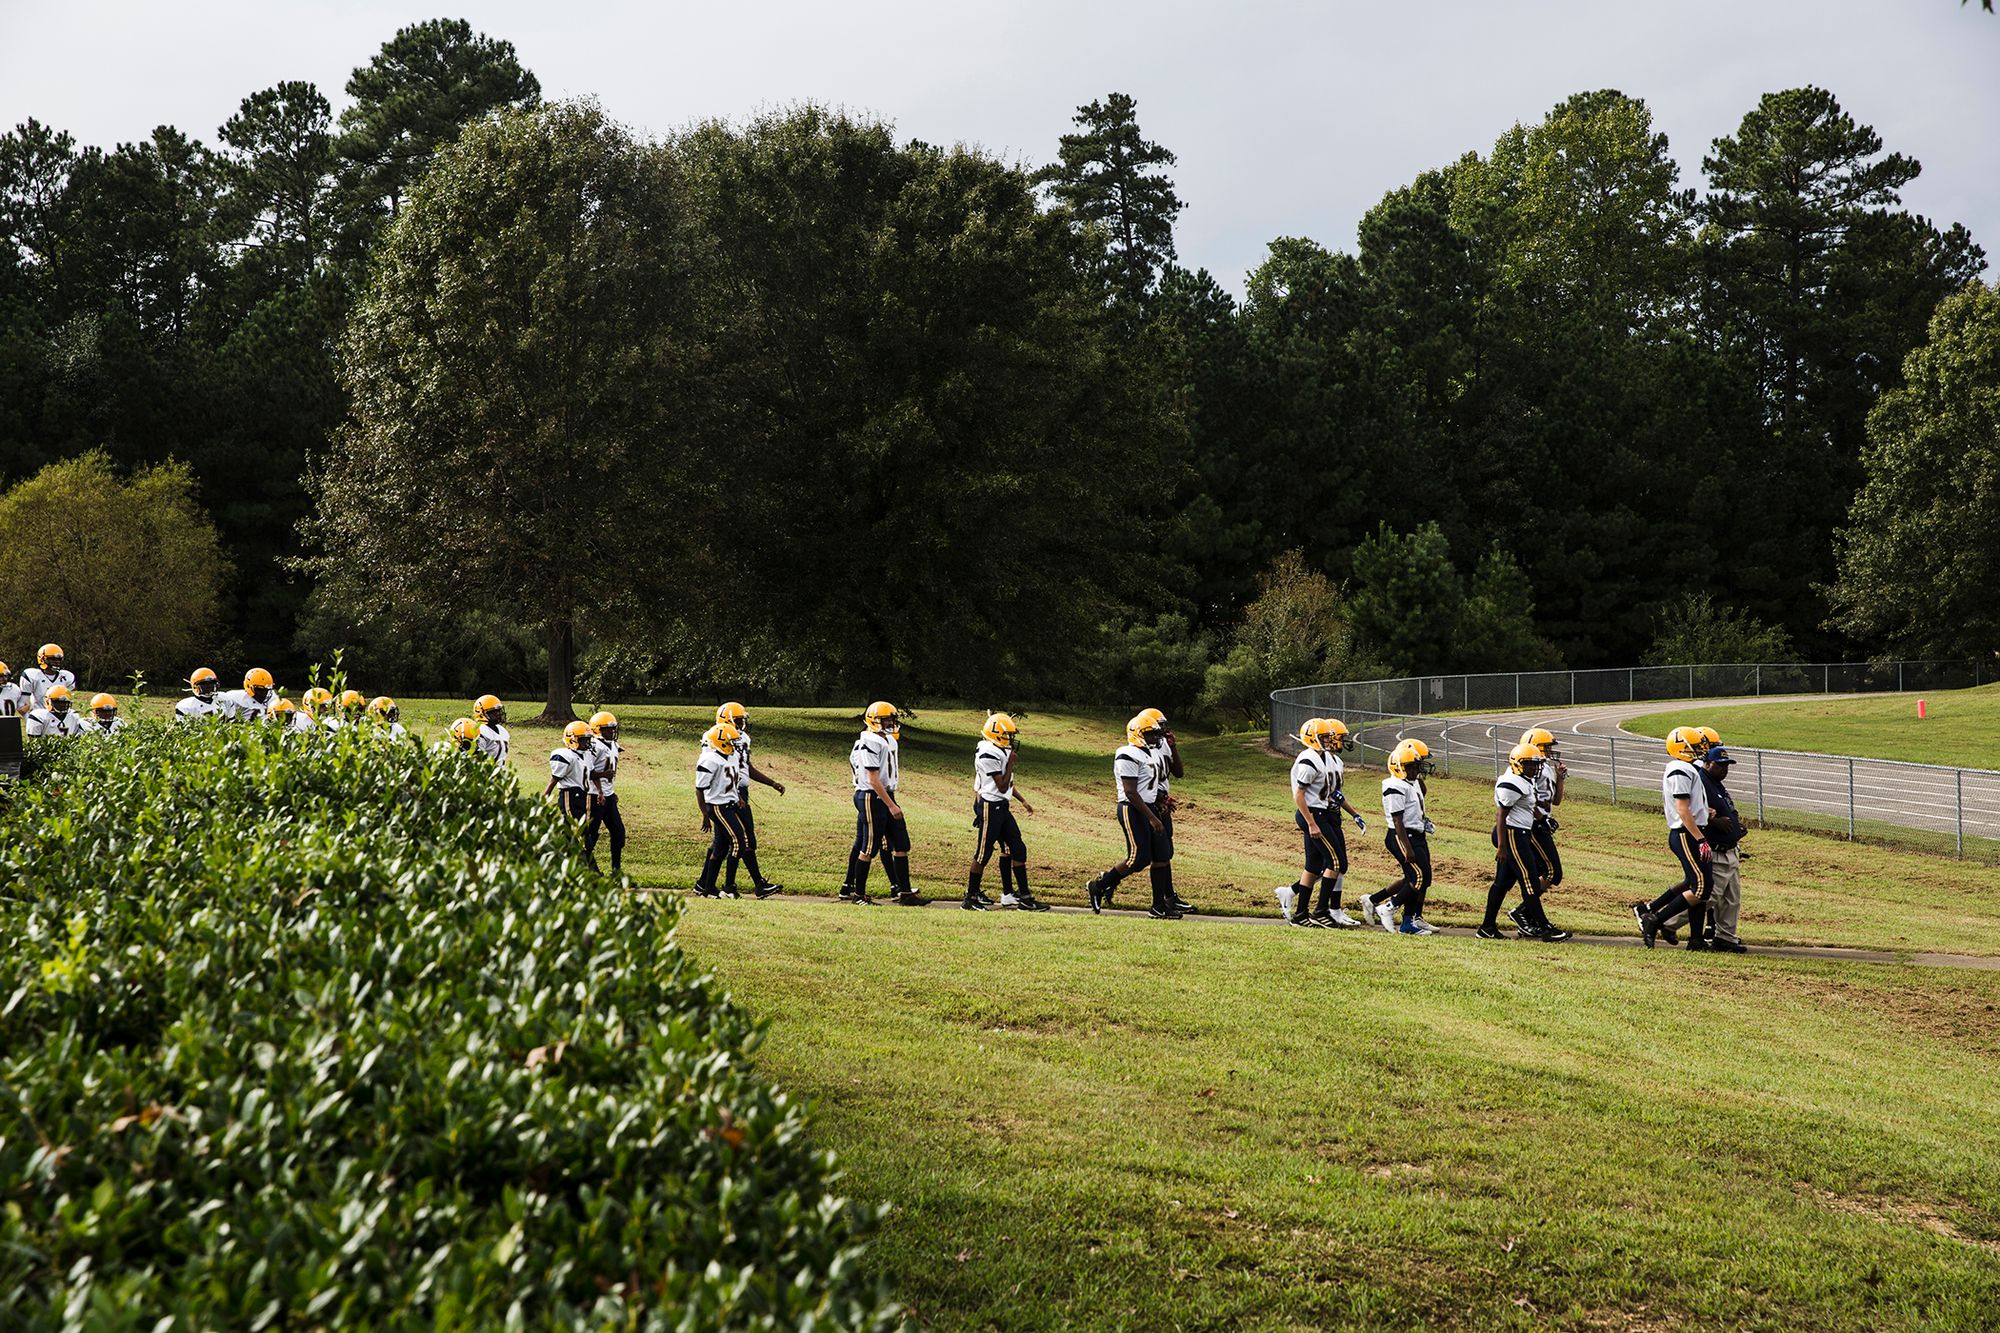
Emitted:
<point x="321" y="1032"/>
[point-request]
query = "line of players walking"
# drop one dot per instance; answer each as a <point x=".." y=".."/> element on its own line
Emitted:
<point x="1704" y="828"/>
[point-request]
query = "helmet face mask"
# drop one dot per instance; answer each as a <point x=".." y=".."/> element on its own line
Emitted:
<point x="488" y="709"/>
<point x="59" y="701"/>
<point x="203" y="684"/>
<point x="576" y="735"/>
<point x="604" y="725"/>
<point x="883" y="719"/>
<point x="464" y="732"/>
<point x="1525" y="759"/>
<point x="50" y="658"/>
<point x="721" y="738"/>
<point x="1000" y="730"/>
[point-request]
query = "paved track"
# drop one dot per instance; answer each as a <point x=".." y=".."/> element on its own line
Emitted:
<point x="1913" y="796"/>
<point x="1810" y="953"/>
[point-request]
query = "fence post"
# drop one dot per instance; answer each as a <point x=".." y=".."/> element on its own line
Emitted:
<point x="1899" y="677"/>
<point x="1958" y="781"/>
<point x="1690" y="680"/>
<point x="1760" y="789"/>
<point x="1447" y="749"/>
<point x="1572" y="689"/>
<point x="1612" y="741"/>
<point x="1826" y="679"/>
<point x="1760" y="689"/>
<point x="1629" y="687"/>
<point x="1850" y="800"/>
<point x="1517" y="689"/>
<point x="1378" y="696"/>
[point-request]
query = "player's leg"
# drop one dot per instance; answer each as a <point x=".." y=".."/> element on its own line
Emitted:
<point x="1138" y="855"/>
<point x="862" y="856"/>
<point x="982" y="851"/>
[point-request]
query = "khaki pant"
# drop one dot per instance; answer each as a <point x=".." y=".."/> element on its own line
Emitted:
<point x="1725" y="899"/>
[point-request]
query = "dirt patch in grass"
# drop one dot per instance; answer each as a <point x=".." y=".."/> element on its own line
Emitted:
<point x="1969" y="1018"/>
<point x="1903" y="1212"/>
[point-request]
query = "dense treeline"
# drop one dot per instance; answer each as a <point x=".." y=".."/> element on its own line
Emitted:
<point x="793" y="406"/>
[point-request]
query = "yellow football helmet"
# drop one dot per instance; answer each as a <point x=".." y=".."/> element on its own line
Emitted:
<point x="257" y="683"/>
<point x="1418" y="764"/>
<point x="465" y="731"/>
<point x="104" y="707"/>
<point x="49" y="657"/>
<point x="1543" y="739"/>
<point x="605" y="725"/>
<point x="1000" y="730"/>
<point x="353" y="702"/>
<point x="881" y="718"/>
<point x="317" y="700"/>
<point x="1332" y="734"/>
<point x="1403" y="760"/>
<point x="57" y="699"/>
<point x="385" y="710"/>
<point x="6" y="673"/>
<point x="1685" y="744"/>
<point x="284" y="708"/>
<point x="735" y="714"/>
<point x="576" y="735"/>
<point x="721" y="738"/>
<point x="1524" y="758"/>
<point x="1710" y="738"/>
<point x="202" y="683"/>
<point x="488" y="708"/>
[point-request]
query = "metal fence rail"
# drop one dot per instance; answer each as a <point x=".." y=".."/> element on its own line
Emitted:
<point x="1950" y="810"/>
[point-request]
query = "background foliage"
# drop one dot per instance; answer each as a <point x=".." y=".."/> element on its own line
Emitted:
<point x="923" y="420"/>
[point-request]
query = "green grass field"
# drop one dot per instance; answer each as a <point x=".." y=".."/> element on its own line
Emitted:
<point x="1962" y="729"/>
<point x="1118" y="1123"/>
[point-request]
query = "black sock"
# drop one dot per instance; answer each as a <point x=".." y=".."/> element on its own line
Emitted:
<point x="1695" y="915"/>
<point x="1329" y="896"/>
<point x="1159" y="878"/>
<point x="750" y="861"/>
<point x="729" y="870"/>
<point x="972" y="878"/>
<point x="1667" y="904"/>
<point x="1006" y="877"/>
<point x="899" y="872"/>
<point x="858" y="877"/>
<point x="1414" y="905"/>
<point x="709" y="865"/>
<point x="1021" y="878"/>
<point x="1496" y="897"/>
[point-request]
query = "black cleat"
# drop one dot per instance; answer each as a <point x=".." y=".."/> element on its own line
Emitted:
<point x="701" y="892"/>
<point x="1699" y="946"/>
<point x="1183" y="905"/>
<point x="1163" y="914"/>
<point x="1555" y="935"/>
<point x="1308" y="919"/>
<point x="1030" y="903"/>
<point x="972" y="904"/>
<point x="1527" y="928"/>
<point x="1669" y="934"/>
<point x="1100" y="897"/>
<point x="731" y="893"/>
<point x="766" y="890"/>
<point x="1728" y="946"/>
<point x="1649" y="928"/>
<point x="1639" y="915"/>
<point x="1486" y="932"/>
<point x="907" y="898"/>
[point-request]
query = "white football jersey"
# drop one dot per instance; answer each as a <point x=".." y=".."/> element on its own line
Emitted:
<point x="42" y="722"/>
<point x="36" y="683"/>
<point x="96" y="728"/>
<point x="302" y="721"/>
<point x="192" y="709"/>
<point x="1516" y="795"/>
<point x="11" y="700"/>
<point x="1137" y="763"/>
<point x="1403" y="797"/>
<point x="239" y="705"/>
<point x="570" y="768"/>
<point x="493" y="742"/>
<point x="1545" y="787"/>
<point x="715" y="776"/>
<point x="989" y="770"/>
<point x="874" y="752"/>
<point x="604" y="766"/>
<point x="742" y="757"/>
<point x="1681" y="779"/>
<point x="1318" y="776"/>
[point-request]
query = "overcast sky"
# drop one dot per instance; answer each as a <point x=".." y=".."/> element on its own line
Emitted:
<point x="1288" y="118"/>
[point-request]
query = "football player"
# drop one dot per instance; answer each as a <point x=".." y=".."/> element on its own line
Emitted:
<point x="993" y="822"/>
<point x="464" y="734"/>
<point x="879" y="826"/>
<point x="351" y="707"/>
<point x="288" y="717"/>
<point x="316" y="705"/>
<point x="715" y="789"/>
<point x="252" y="701"/>
<point x="104" y="719"/>
<point x="1407" y="838"/>
<point x="45" y="675"/>
<point x="201" y="703"/>
<point x="1531" y="917"/>
<point x="569" y="776"/>
<point x="747" y="772"/>
<point x="1167" y="754"/>
<point x="10" y="693"/>
<point x="54" y="717"/>
<point x="1135" y="773"/>
<point x="1514" y="859"/>
<point x="1318" y="798"/>
<point x="1684" y="798"/>
<point x="493" y="739"/>
<point x="604" y="755"/>
<point x="388" y="716"/>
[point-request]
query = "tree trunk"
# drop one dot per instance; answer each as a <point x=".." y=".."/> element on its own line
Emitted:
<point x="562" y="673"/>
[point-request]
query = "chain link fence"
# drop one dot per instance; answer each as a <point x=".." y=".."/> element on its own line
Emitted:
<point x="1952" y="811"/>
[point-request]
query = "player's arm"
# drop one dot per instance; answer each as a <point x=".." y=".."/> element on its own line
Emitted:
<point x="1499" y="834"/>
<point x="1402" y="835"/>
<point x="1562" y="776"/>
<point x="759" y="775"/>
<point x="1174" y="755"/>
<point x="882" y="790"/>
<point x="1305" y="811"/>
<point x="1131" y="789"/>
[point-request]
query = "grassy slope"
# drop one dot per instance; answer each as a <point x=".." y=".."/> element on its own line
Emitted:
<point x="1963" y="729"/>
<point x="1118" y="1123"/>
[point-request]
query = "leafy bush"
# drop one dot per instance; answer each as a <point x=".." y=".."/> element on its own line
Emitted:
<point x="303" y="1032"/>
<point x="1698" y="629"/>
<point x="1298" y="631"/>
